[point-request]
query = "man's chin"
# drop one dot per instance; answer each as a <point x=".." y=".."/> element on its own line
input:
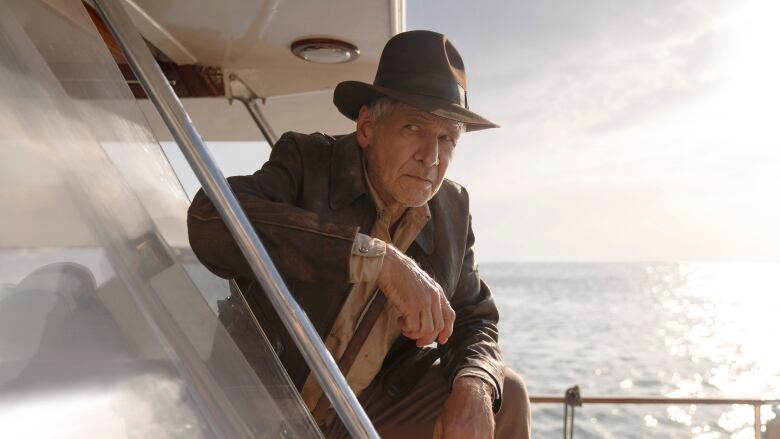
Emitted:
<point x="417" y="201"/>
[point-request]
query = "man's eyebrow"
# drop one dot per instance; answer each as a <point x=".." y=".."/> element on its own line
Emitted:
<point x="452" y="127"/>
<point x="454" y="130"/>
<point x="417" y="118"/>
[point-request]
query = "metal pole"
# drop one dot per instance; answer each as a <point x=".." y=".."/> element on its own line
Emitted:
<point x="194" y="149"/>
<point x="240" y="91"/>
<point x="757" y="420"/>
<point x="253" y="106"/>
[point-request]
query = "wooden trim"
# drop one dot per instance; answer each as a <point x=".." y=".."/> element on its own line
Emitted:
<point x="188" y="81"/>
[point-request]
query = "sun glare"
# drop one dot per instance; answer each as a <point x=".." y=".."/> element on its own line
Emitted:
<point x="753" y="93"/>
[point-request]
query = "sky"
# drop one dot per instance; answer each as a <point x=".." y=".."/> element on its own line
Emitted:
<point x="631" y="131"/>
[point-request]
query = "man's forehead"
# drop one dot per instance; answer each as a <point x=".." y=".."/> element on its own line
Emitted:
<point x="414" y="113"/>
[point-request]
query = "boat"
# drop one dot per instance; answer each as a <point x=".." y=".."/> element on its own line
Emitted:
<point x="108" y="323"/>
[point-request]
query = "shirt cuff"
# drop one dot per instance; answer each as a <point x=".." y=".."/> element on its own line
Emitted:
<point x="366" y="258"/>
<point x="471" y="371"/>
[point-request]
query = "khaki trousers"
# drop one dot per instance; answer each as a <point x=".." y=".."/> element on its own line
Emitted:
<point x="413" y="415"/>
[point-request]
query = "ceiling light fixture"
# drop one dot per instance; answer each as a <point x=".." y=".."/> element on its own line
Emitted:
<point x="324" y="51"/>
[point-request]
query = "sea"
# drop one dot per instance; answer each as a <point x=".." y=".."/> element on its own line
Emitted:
<point x="642" y="329"/>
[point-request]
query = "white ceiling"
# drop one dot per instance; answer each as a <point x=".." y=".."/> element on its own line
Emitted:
<point x="252" y="37"/>
<point x="217" y="120"/>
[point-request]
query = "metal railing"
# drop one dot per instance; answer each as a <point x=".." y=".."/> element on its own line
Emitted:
<point x="660" y="400"/>
<point x="253" y="103"/>
<point x="156" y="86"/>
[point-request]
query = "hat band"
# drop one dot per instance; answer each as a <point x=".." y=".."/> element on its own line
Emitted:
<point x="434" y="87"/>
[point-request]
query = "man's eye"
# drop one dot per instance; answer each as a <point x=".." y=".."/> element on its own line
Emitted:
<point x="412" y="127"/>
<point x="448" y="139"/>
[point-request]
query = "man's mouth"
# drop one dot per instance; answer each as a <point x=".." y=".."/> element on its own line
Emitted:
<point x="417" y="177"/>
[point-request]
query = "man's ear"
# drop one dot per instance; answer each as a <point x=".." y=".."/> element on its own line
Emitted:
<point x="365" y="127"/>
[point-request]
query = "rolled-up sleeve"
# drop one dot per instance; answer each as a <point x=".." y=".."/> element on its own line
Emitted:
<point x="366" y="259"/>
<point x="475" y="372"/>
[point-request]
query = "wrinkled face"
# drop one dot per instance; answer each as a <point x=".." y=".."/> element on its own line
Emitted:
<point x="407" y="153"/>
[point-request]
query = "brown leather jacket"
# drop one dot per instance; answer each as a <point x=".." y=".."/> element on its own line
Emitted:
<point x="307" y="203"/>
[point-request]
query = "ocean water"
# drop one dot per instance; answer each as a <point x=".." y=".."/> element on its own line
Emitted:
<point x="651" y="329"/>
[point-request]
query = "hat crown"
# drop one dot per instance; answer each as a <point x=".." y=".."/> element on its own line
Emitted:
<point x="425" y="63"/>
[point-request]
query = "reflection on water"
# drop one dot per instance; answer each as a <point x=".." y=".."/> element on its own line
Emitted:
<point x="694" y="329"/>
<point x="725" y="317"/>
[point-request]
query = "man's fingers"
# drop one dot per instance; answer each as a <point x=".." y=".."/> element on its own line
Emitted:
<point x="438" y="317"/>
<point x="438" y="432"/>
<point x="412" y="322"/>
<point x="426" y="328"/>
<point x="437" y="320"/>
<point x="425" y="334"/>
<point x="449" y="319"/>
<point x="433" y="324"/>
<point x="405" y="329"/>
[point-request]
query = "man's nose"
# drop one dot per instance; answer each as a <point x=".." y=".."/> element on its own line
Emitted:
<point x="428" y="153"/>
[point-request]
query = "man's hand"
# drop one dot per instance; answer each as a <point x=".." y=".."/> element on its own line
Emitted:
<point x="468" y="412"/>
<point x="426" y="314"/>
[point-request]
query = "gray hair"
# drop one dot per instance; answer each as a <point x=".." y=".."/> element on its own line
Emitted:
<point x="379" y="108"/>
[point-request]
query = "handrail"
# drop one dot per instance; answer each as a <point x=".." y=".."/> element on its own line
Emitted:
<point x="757" y="403"/>
<point x="194" y="149"/>
<point x="542" y="399"/>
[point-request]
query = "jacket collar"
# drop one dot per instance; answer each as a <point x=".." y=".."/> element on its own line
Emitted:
<point x="425" y="238"/>
<point x="346" y="172"/>
<point x="347" y="183"/>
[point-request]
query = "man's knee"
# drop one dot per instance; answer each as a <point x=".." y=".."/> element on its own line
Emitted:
<point x="515" y="392"/>
<point x="514" y="417"/>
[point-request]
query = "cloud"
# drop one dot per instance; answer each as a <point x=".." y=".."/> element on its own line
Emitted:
<point x="603" y="82"/>
<point x="619" y="139"/>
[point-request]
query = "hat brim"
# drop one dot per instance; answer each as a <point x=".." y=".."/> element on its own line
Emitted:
<point x="349" y="96"/>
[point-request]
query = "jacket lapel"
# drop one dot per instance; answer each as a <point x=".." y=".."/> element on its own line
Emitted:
<point x="425" y="238"/>
<point x="346" y="172"/>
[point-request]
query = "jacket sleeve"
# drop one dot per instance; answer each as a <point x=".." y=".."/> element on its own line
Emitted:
<point x="474" y="340"/>
<point x="302" y="245"/>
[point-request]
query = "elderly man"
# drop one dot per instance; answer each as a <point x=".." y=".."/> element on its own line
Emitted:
<point x="377" y="248"/>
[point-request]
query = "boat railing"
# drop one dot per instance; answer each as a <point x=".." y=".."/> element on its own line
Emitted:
<point x="570" y="403"/>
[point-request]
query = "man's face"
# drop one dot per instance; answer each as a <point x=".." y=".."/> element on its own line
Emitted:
<point x="407" y="153"/>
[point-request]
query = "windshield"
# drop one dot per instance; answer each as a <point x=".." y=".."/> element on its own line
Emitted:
<point x="107" y="321"/>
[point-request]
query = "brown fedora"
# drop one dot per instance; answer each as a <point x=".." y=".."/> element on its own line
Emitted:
<point x="419" y="68"/>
